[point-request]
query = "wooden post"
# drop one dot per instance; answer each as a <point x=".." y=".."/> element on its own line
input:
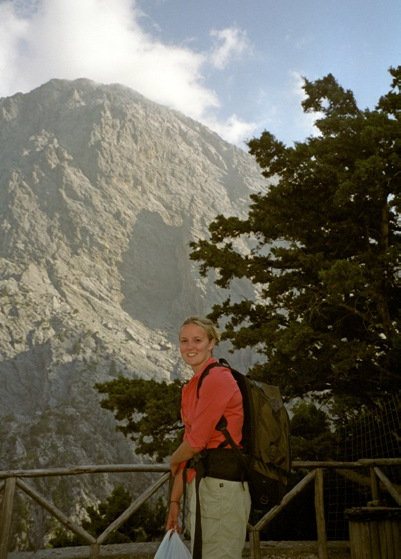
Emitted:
<point x="6" y="516"/>
<point x="94" y="551"/>
<point x="375" y="532"/>
<point x="254" y="543"/>
<point x="320" y="520"/>
<point x="374" y="486"/>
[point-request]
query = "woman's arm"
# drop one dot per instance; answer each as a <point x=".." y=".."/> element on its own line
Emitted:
<point x="183" y="453"/>
<point x="174" y="504"/>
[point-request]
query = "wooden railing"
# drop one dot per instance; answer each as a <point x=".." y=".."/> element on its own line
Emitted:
<point x="15" y="479"/>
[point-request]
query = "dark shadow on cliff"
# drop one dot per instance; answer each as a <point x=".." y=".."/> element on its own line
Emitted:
<point x="159" y="286"/>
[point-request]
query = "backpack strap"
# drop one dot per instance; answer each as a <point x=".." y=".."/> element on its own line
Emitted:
<point x="222" y="426"/>
<point x="197" y="463"/>
<point x="203" y="375"/>
<point x="222" y="423"/>
<point x="220" y="363"/>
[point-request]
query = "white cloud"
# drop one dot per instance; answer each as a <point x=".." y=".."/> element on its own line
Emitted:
<point x="233" y="130"/>
<point x="100" y="40"/>
<point x="103" y="40"/>
<point x="229" y="42"/>
<point x="12" y="31"/>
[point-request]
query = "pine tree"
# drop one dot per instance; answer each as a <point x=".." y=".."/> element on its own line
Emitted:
<point x="326" y="251"/>
<point x="148" y="412"/>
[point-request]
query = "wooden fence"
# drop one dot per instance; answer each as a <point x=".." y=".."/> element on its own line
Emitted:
<point x="15" y="479"/>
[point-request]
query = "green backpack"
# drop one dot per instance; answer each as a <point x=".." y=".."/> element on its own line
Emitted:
<point x="265" y="451"/>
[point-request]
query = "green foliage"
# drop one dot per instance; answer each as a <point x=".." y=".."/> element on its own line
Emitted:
<point x="311" y="437"/>
<point x="326" y="254"/>
<point x="148" y="412"/>
<point x="144" y="525"/>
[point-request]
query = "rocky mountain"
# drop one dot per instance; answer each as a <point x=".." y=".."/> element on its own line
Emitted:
<point x="101" y="192"/>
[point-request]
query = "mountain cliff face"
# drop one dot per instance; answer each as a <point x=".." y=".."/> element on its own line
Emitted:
<point x="101" y="192"/>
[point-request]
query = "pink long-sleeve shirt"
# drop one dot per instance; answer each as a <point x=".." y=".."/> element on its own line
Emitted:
<point x="219" y="395"/>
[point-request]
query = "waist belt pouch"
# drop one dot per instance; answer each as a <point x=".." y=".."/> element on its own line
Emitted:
<point x="224" y="463"/>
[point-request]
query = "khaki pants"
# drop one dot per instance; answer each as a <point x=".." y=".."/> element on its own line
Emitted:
<point x="225" y="508"/>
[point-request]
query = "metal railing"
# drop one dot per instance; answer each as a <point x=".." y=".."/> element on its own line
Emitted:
<point x="12" y="480"/>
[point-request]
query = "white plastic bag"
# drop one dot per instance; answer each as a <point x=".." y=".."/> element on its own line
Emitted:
<point x="172" y="547"/>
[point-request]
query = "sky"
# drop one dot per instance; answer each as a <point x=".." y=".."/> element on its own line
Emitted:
<point x="236" y="66"/>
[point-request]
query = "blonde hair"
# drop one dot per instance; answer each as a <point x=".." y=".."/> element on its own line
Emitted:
<point x="206" y="324"/>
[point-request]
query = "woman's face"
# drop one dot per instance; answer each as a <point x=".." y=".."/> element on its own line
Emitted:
<point x="195" y="346"/>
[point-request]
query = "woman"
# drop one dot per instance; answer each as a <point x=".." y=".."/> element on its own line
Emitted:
<point x="225" y="504"/>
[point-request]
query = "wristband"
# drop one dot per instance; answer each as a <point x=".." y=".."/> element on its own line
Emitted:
<point x="178" y="502"/>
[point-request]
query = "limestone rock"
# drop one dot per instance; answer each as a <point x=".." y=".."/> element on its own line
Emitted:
<point x="101" y="192"/>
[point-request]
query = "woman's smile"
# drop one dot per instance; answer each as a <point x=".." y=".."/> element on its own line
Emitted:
<point x="195" y="346"/>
